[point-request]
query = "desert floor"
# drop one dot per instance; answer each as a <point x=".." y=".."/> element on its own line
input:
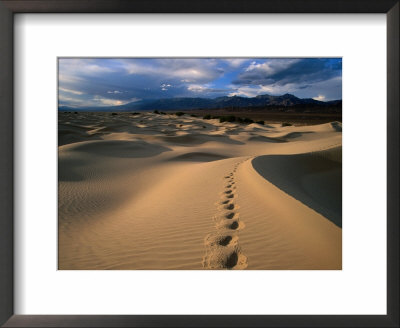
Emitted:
<point x="154" y="191"/>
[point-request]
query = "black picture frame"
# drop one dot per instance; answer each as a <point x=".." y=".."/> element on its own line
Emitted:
<point x="10" y="7"/>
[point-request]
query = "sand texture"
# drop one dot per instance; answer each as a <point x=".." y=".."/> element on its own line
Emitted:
<point x="152" y="191"/>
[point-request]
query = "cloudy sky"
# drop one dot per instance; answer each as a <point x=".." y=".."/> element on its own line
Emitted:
<point x="112" y="81"/>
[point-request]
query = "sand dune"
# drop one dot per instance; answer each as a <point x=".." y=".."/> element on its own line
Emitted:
<point x="155" y="191"/>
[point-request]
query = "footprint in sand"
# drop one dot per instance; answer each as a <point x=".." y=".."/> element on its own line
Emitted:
<point x="228" y="240"/>
<point x="225" y="241"/>
<point x="230" y="206"/>
<point x="232" y="260"/>
<point x="231" y="215"/>
<point x="235" y="225"/>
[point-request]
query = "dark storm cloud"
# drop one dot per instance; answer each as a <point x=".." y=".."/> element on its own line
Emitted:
<point x="301" y="72"/>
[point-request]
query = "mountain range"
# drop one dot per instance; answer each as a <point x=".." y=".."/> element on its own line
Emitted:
<point x="286" y="101"/>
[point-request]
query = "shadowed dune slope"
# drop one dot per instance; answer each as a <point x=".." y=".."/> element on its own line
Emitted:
<point x="198" y="157"/>
<point x="312" y="178"/>
<point x="120" y="148"/>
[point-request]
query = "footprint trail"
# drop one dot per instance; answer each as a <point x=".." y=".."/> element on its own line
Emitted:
<point x="222" y="246"/>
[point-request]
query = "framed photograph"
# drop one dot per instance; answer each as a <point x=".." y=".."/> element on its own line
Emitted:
<point x="199" y="164"/>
